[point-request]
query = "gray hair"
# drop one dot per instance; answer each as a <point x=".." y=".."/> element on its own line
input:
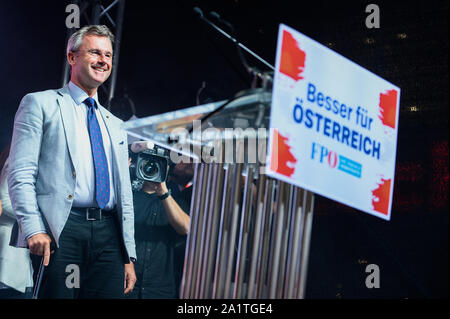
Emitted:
<point x="76" y="39"/>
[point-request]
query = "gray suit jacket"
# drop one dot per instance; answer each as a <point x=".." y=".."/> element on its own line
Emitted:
<point x="42" y="176"/>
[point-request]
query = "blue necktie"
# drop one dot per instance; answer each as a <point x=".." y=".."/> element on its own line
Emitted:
<point x="99" y="156"/>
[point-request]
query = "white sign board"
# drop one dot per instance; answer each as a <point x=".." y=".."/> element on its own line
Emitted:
<point x="333" y="125"/>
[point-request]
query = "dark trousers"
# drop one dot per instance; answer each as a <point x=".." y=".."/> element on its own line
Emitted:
<point x="89" y="262"/>
<point x="10" y="293"/>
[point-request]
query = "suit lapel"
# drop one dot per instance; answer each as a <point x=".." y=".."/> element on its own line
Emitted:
<point x="68" y="117"/>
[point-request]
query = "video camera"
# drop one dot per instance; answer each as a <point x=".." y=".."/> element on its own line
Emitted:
<point x="148" y="163"/>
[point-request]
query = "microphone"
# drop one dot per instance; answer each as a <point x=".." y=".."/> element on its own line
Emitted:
<point x="249" y="69"/>
<point x="215" y="15"/>
<point x="198" y="12"/>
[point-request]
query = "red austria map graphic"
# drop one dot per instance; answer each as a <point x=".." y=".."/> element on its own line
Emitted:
<point x="388" y="108"/>
<point x="380" y="196"/>
<point x="281" y="155"/>
<point x="292" y="57"/>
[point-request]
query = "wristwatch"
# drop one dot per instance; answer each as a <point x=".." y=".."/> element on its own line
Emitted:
<point x="164" y="196"/>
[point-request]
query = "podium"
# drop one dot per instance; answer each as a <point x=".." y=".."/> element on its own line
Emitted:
<point x="250" y="234"/>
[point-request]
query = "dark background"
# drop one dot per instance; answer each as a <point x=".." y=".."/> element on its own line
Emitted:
<point x="167" y="53"/>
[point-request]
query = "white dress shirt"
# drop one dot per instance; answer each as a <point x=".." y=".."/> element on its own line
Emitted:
<point x="82" y="158"/>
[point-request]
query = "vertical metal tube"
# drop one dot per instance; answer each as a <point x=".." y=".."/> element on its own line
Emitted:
<point x="285" y="251"/>
<point x="66" y="68"/>
<point x="301" y="229"/>
<point x="66" y="72"/>
<point x="265" y="237"/>
<point x="187" y="282"/>
<point x="289" y="238"/>
<point x="206" y="237"/>
<point x="212" y="229"/>
<point x="201" y="231"/>
<point x="256" y="236"/>
<point x="117" y="42"/>
<point x="234" y="212"/>
<point x="309" y="208"/>
<point x="221" y="248"/>
<point x="243" y="234"/>
<point x="290" y="279"/>
<point x="274" y="259"/>
<point x="96" y="10"/>
<point x="198" y="229"/>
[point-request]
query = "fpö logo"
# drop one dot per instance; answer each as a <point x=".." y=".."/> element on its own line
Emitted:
<point x="329" y="157"/>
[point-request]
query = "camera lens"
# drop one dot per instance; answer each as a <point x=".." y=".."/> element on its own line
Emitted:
<point x="149" y="169"/>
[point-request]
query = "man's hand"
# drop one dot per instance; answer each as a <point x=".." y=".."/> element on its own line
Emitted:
<point x="158" y="188"/>
<point x="39" y="244"/>
<point x="178" y="219"/>
<point x="130" y="278"/>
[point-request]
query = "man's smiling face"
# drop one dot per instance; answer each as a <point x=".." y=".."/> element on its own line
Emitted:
<point x="91" y="63"/>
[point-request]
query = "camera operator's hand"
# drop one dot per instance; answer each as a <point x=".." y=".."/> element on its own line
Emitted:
<point x="158" y="188"/>
<point x="178" y="219"/>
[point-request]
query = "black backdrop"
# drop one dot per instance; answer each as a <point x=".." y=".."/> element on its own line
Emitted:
<point x="167" y="53"/>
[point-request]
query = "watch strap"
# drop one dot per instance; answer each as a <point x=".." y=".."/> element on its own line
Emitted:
<point x="164" y="196"/>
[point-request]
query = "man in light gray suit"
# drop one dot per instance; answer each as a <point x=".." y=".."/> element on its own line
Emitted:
<point x="69" y="180"/>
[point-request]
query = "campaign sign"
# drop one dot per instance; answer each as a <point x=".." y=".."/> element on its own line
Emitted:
<point x="333" y="125"/>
